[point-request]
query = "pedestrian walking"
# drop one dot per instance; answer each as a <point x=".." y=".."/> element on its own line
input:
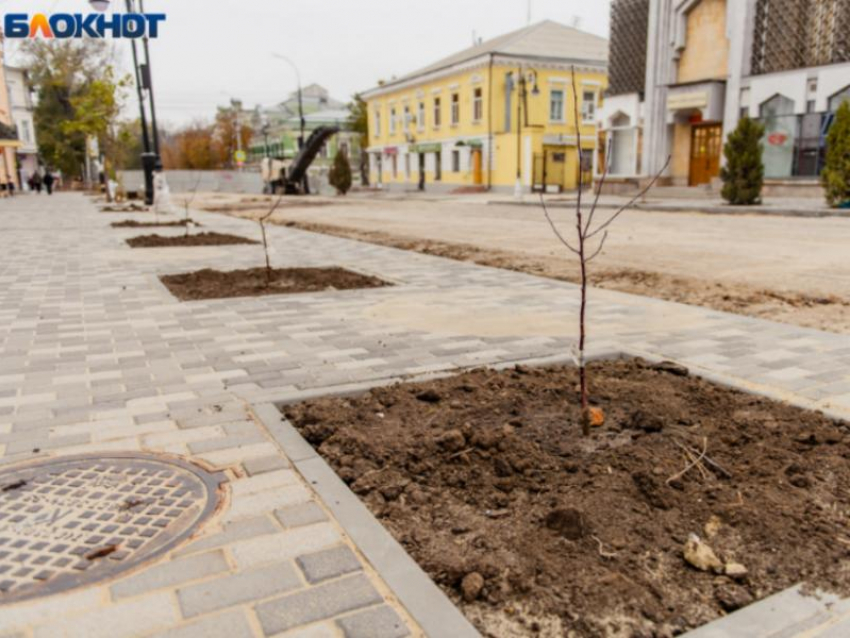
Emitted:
<point x="48" y="181"/>
<point x="35" y="182"/>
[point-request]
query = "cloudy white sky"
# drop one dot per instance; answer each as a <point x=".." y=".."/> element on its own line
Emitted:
<point x="210" y="50"/>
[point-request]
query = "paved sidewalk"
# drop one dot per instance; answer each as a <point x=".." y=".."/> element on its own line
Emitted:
<point x="96" y="355"/>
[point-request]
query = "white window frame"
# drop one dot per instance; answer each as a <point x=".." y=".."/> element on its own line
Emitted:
<point x="456" y="161"/>
<point x="562" y="118"/>
<point x="588" y="108"/>
<point x="420" y="116"/>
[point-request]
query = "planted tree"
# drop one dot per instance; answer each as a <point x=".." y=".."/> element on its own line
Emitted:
<point x="743" y="174"/>
<point x="358" y="122"/>
<point x="340" y="174"/>
<point x="262" y="221"/>
<point x="836" y="173"/>
<point x="187" y="203"/>
<point x="587" y="244"/>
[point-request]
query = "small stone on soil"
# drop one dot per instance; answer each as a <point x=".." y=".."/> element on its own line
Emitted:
<point x="452" y="441"/>
<point x="698" y="554"/>
<point x="471" y="586"/>
<point x="735" y="570"/>
<point x="671" y="368"/>
<point x="569" y="523"/>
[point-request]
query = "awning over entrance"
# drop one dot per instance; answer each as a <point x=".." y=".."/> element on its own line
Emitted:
<point x="426" y="148"/>
<point x="706" y="97"/>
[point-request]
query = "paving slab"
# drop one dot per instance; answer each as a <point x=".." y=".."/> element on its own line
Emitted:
<point x="97" y="355"/>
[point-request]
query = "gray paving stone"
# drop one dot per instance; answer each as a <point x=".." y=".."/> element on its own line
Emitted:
<point x="255" y="584"/>
<point x="380" y="622"/>
<point x="232" y="624"/>
<point x="300" y="515"/>
<point x="317" y="603"/>
<point x="265" y="464"/>
<point x="329" y="563"/>
<point x="171" y="573"/>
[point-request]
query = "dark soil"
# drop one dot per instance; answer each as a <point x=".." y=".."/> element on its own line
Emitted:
<point x="130" y="223"/>
<point x="255" y="282"/>
<point x="199" y="239"/>
<point x="534" y="530"/>
<point x="128" y="208"/>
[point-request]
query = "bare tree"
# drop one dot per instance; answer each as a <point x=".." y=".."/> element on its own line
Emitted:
<point x="588" y="246"/>
<point x="187" y="202"/>
<point x="262" y="221"/>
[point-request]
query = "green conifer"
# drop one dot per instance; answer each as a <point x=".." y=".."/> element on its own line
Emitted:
<point x="743" y="174"/>
<point x="836" y="173"/>
<point x="340" y="175"/>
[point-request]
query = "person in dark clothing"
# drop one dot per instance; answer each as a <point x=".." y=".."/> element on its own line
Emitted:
<point x="36" y="182"/>
<point x="48" y="181"/>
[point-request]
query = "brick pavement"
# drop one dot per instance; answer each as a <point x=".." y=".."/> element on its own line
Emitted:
<point x="96" y="355"/>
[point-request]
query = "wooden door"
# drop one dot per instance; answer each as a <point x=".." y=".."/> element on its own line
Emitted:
<point x="477" y="172"/>
<point x="706" y="142"/>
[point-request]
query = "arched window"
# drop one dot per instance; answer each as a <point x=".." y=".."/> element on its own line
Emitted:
<point x="776" y="106"/>
<point x="620" y="120"/>
<point x="836" y="100"/>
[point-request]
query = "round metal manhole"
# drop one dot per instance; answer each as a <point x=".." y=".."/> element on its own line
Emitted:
<point x="74" y="521"/>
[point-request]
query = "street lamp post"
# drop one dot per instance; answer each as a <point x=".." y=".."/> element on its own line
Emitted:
<point x="522" y="103"/>
<point x="300" y="99"/>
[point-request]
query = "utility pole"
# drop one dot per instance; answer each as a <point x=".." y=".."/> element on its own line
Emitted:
<point x="237" y="107"/>
<point x="146" y="76"/>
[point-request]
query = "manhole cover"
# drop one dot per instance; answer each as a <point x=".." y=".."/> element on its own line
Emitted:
<point x="70" y="522"/>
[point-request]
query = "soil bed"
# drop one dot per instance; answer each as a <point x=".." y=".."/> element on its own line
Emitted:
<point x="535" y="531"/>
<point x="199" y="239"/>
<point x="255" y="282"/>
<point x="131" y="223"/>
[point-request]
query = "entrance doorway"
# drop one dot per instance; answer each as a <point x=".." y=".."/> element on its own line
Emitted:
<point x="477" y="168"/>
<point x="422" y="171"/>
<point x="706" y="142"/>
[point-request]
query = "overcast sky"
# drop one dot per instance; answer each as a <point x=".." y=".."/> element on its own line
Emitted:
<point x="210" y="50"/>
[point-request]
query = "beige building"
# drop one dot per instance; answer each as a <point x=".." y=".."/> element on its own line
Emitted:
<point x="8" y="135"/>
<point x="683" y="73"/>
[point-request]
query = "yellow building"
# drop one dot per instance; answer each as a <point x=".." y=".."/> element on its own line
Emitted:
<point x="499" y="115"/>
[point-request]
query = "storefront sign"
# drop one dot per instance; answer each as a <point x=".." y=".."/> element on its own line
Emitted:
<point x="680" y="101"/>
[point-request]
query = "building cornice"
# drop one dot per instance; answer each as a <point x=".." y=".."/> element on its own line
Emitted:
<point x="481" y="62"/>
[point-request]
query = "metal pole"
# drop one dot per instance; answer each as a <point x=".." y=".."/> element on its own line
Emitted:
<point x="150" y="94"/>
<point x="520" y="89"/>
<point x="146" y="142"/>
<point x="237" y="106"/>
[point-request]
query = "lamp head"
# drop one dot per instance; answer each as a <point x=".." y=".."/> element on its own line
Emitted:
<point x="99" y="5"/>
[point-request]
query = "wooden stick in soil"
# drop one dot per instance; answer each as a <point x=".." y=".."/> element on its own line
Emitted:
<point x="584" y="232"/>
<point x="262" y="222"/>
<point x="187" y="202"/>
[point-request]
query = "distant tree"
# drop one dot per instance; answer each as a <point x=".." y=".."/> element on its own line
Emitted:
<point x="743" y="174"/>
<point x="836" y="174"/>
<point x="358" y="121"/>
<point x="79" y="95"/>
<point x="340" y="173"/>
<point x="225" y="136"/>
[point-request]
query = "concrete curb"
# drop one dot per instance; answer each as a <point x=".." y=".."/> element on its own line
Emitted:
<point x="707" y="209"/>
<point x="414" y="589"/>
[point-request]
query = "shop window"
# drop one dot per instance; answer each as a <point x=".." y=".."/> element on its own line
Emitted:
<point x="781" y="128"/>
<point x="455" y="161"/>
<point x="395" y="166"/>
<point x="477" y="104"/>
<point x="836" y="100"/>
<point x="438" y="166"/>
<point x="556" y="105"/>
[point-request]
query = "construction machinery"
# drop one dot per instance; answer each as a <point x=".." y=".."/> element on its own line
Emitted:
<point x="290" y="176"/>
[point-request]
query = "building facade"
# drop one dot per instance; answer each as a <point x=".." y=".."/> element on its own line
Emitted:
<point x="499" y="115"/>
<point x="20" y="100"/>
<point x="683" y="72"/>
<point x="9" y="142"/>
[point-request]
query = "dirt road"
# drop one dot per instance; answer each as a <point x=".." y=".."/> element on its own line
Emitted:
<point x="793" y="270"/>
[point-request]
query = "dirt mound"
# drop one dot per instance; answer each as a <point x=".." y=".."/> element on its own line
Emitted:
<point x="486" y="474"/>
<point x="199" y="239"/>
<point x="254" y="282"/>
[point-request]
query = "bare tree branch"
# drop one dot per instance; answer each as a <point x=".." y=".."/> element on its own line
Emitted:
<point x="262" y="221"/>
<point x="599" y="187"/>
<point x="632" y="201"/>
<point x="555" y="228"/>
<point x="578" y="135"/>
<point x="599" y="249"/>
